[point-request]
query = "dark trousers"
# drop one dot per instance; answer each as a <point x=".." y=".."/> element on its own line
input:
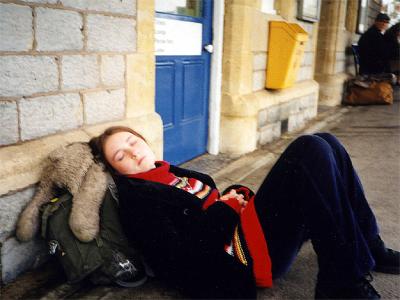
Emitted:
<point x="313" y="192"/>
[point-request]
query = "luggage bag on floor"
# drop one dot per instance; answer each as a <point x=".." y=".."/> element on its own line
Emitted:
<point x="368" y="93"/>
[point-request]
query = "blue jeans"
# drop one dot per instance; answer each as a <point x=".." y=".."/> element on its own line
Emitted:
<point x="313" y="192"/>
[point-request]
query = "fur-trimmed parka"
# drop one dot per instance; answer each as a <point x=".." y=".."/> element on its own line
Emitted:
<point x="70" y="168"/>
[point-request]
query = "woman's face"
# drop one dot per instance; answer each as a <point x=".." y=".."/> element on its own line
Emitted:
<point x="128" y="154"/>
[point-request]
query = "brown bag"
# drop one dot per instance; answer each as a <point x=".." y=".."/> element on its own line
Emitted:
<point x="375" y="92"/>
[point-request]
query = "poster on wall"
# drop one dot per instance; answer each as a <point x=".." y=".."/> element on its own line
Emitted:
<point x="308" y="10"/>
<point x="176" y="37"/>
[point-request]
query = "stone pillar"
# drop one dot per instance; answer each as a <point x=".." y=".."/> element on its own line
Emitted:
<point x="140" y="80"/>
<point x="332" y="40"/>
<point x="351" y="17"/>
<point x="238" y="128"/>
<point x="287" y="9"/>
<point x="141" y="65"/>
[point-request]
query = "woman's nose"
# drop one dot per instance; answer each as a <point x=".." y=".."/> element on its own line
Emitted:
<point x="132" y="152"/>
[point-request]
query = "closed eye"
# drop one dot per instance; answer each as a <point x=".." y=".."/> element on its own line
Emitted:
<point x="131" y="140"/>
<point x="119" y="156"/>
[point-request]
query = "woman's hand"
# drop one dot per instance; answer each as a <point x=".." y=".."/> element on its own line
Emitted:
<point x="232" y="194"/>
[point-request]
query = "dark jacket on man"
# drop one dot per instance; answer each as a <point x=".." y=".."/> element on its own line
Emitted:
<point x="372" y="52"/>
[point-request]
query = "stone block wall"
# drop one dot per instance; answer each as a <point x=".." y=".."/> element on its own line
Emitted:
<point x="285" y="116"/>
<point x="62" y="65"/>
<point x="290" y="113"/>
<point x="259" y="70"/>
<point x="63" y="77"/>
<point x="248" y="109"/>
<point x="306" y="70"/>
<point x="15" y="256"/>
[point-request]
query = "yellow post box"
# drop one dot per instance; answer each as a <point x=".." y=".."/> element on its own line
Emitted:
<point x="285" y="52"/>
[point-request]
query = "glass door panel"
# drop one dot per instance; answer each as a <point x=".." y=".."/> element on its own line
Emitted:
<point x="192" y="8"/>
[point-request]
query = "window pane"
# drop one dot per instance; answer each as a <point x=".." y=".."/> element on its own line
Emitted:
<point x="191" y="8"/>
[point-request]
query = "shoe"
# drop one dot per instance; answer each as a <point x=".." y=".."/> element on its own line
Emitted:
<point x="127" y="272"/>
<point x="361" y="289"/>
<point x="386" y="260"/>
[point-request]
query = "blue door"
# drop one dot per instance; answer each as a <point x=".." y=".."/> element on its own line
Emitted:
<point x="183" y="29"/>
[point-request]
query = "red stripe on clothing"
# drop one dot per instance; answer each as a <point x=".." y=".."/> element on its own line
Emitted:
<point x="257" y="245"/>
<point x="211" y="199"/>
<point x="159" y="174"/>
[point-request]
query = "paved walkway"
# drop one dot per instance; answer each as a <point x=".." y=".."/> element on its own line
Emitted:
<point x="372" y="137"/>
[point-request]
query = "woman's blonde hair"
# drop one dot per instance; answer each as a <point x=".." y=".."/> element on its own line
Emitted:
<point x="97" y="144"/>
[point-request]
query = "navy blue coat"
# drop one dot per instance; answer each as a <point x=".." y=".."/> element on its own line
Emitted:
<point x="182" y="243"/>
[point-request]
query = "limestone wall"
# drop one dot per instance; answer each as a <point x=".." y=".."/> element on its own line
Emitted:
<point x="333" y="40"/>
<point x="287" y="111"/>
<point x="251" y="113"/>
<point x="66" y="67"/>
<point x="68" y="70"/>
<point x="284" y="113"/>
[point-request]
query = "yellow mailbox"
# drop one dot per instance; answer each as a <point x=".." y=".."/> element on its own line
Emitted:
<point x="285" y="51"/>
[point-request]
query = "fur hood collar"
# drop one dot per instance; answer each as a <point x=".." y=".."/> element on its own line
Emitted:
<point x="72" y="168"/>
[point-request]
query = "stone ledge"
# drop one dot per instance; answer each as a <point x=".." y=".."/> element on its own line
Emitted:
<point x="240" y="114"/>
<point x="21" y="164"/>
<point x="269" y="98"/>
<point x="250" y="104"/>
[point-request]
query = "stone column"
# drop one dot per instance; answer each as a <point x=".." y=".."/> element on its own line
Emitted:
<point x="238" y="127"/>
<point x="287" y="9"/>
<point x="351" y="17"/>
<point x="141" y="65"/>
<point x="140" y="80"/>
<point x="332" y="40"/>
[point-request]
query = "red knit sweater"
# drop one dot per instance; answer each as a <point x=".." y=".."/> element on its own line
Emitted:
<point x="248" y="233"/>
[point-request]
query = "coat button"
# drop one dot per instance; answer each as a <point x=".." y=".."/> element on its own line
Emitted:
<point x="186" y="211"/>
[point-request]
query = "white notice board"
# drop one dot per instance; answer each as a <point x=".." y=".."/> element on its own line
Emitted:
<point x="175" y="37"/>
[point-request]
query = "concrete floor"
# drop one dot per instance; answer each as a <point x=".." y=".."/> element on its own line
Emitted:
<point x="372" y="136"/>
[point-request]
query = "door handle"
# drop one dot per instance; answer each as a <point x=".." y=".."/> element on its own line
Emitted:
<point x="209" y="48"/>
